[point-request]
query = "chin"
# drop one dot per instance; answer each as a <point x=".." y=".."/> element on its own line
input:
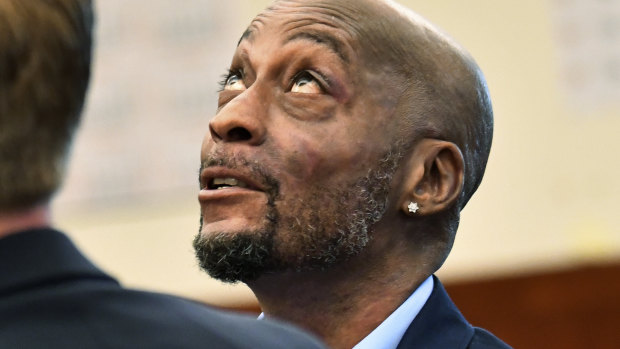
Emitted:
<point x="233" y="256"/>
<point x="232" y="226"/>
<point x="236" y="249"/>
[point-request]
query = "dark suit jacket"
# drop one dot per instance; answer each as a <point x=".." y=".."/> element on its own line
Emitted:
<point x="53" y="297"/>
<point x="440" y="325"/>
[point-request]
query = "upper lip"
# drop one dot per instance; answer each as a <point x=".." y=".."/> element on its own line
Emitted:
<point x="207" y="175"/>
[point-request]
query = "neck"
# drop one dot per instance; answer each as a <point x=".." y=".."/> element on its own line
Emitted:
<point x="12" y="222"/>
<point x="343" y="304"/>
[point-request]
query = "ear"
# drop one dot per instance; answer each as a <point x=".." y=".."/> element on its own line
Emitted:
<point x="434" y="178"/>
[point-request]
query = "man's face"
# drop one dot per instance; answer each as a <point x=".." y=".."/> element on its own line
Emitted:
<point x="297" y="166"/>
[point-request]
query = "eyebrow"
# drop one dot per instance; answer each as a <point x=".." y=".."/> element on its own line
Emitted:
<point x="248" y="34"/>
<point x="245" y="36"/>
<point x="331" y="42"/>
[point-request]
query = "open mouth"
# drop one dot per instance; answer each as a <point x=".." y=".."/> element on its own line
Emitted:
<point x="218" y="178"/>
<point x="220" y="183"/>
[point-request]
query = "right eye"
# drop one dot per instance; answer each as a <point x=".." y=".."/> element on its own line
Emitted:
<point x="305" y="82"/>
<point x="234" y="82"/>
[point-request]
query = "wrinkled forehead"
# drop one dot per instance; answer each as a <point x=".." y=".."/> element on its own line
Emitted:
<point x="335" y="18"/>
<point x="372" y="30"/>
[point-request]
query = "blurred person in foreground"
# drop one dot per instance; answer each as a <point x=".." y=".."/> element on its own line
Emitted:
<point x="348" y="137"/>
<point x="51" y="296"/>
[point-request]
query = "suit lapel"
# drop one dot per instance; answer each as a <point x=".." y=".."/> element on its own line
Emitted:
<point x="439" y="324"/>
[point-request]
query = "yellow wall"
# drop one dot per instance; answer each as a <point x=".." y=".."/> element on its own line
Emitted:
<point x="548" y="200"/>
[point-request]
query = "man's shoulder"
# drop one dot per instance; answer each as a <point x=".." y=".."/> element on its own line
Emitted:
<point x="113" y="317"/>
<point x="61" y="300"/>
<point x="187" y="324"/>
<point x="484" y="339"/>
<point x="440" y="324"/>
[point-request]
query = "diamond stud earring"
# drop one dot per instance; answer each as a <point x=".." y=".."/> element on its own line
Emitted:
<point x="413" y="207"/>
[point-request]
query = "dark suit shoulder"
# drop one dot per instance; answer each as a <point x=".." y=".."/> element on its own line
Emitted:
<point x="94" y="313"/>
<point x="440" y="325"/>
<point x="484" y="339"/>
<point x="53" y="297"/>
<point x="104" y="316"/>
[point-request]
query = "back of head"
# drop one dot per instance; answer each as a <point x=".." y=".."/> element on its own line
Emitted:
<point x="45" y="52"/>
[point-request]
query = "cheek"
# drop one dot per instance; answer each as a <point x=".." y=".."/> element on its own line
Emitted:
<point x="308" y="161"/>
<point x="303" y="160"/>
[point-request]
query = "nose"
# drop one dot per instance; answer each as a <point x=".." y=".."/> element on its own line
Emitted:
<point x="239" y="121"/>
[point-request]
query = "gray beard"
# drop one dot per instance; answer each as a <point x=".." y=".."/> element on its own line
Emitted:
<point x="326" y="228"/>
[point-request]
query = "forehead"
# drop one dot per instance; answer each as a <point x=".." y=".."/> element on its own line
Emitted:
<point x="322" y="22"/>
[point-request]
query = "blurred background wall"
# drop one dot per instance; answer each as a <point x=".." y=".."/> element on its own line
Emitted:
<point x="548" y="202"/>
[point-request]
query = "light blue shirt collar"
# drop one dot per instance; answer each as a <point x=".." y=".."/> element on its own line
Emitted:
<point x="389" y="333"/>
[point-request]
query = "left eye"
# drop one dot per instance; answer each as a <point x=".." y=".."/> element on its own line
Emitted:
<point x="234" y="82"/>
<point x="305" y="82"/>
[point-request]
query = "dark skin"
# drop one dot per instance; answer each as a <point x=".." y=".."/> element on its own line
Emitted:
<point x="307" y="100"/>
